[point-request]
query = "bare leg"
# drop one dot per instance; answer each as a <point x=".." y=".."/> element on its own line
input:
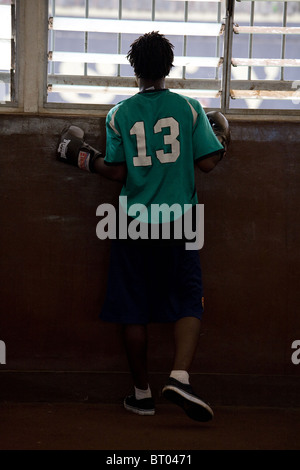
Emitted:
<point x="136" y="342"/>
<point x="179" y="391"/>
<point x="186" y="335"/>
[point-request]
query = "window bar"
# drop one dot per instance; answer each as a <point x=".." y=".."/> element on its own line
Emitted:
<point x="120" y="12"/>
<point x="86" y="35"/>
<point x="123" y="90"/>
<point x="137" y="27"/>
<point x="180" y="61"/>
<point x="218" y="42"/>
<point x="266" y="62"/>
<point x="263" y="94"/>
<point x="153" y="10"/>
<point x="283" y="41"/>
<point x="114" y="81"/>
<point x="267" y="29"/>
<point x="226" y="72"/>
<point x="13" y="53"/>
<point x="52" y="33"/>
<point x="250" y="47"/>
<point x="268" y="0"/>
<point x="186" y="13"/>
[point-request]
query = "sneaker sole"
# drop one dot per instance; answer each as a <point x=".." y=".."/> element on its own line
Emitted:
<point x="139" y="411"/>
<point x="194" y="407"/>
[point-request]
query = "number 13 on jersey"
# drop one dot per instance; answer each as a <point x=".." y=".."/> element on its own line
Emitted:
<point x="138" y="129"/>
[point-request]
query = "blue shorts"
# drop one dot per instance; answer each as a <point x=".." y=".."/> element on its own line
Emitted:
<point x="149" y="283"/>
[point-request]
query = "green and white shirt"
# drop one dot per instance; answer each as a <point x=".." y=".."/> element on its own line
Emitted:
<point x="159" y="135"/>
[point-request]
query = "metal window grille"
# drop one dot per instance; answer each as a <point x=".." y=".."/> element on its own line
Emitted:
<point x="264" y="55"/>
<point x="230" y="54"/>
<point x="89" y="66"/>
<point x="7" y="52"/>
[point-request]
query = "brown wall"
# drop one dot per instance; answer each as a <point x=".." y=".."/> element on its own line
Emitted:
<point x="53" y="267"/>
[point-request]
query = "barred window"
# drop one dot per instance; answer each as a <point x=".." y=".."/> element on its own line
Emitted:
<point x="239" y="56"/>
<point x="265" y="57"/>
<point x="89" y="40"/>
<point x="229" y="55"/>
<point x="7" y="52"/>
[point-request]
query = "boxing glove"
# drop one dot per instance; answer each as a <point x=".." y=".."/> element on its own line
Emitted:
<point x="220" y="126"/>
<point x="73" y="150"/>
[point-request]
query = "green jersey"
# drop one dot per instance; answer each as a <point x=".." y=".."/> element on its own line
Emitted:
<point x="159" y="135"/>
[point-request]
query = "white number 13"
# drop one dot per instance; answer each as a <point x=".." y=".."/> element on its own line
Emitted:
<point x="138" y="129"/>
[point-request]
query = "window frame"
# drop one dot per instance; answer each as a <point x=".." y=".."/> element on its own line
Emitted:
<point x="32" y="71"/>
<point x="12" y="76"/>
<point x="255" y="86"/>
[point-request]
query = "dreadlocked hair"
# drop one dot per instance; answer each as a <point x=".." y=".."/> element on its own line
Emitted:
<point x="151" y="56"/>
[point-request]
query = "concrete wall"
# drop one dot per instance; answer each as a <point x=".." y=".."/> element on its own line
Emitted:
<point x="53" y="270"/>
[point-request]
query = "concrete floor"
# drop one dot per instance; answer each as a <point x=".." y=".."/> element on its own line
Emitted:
<point x="86" y="426"/>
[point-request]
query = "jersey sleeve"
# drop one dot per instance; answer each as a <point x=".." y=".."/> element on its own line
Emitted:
<point x="205" y="143"/>
<point x="114" y="142"/>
